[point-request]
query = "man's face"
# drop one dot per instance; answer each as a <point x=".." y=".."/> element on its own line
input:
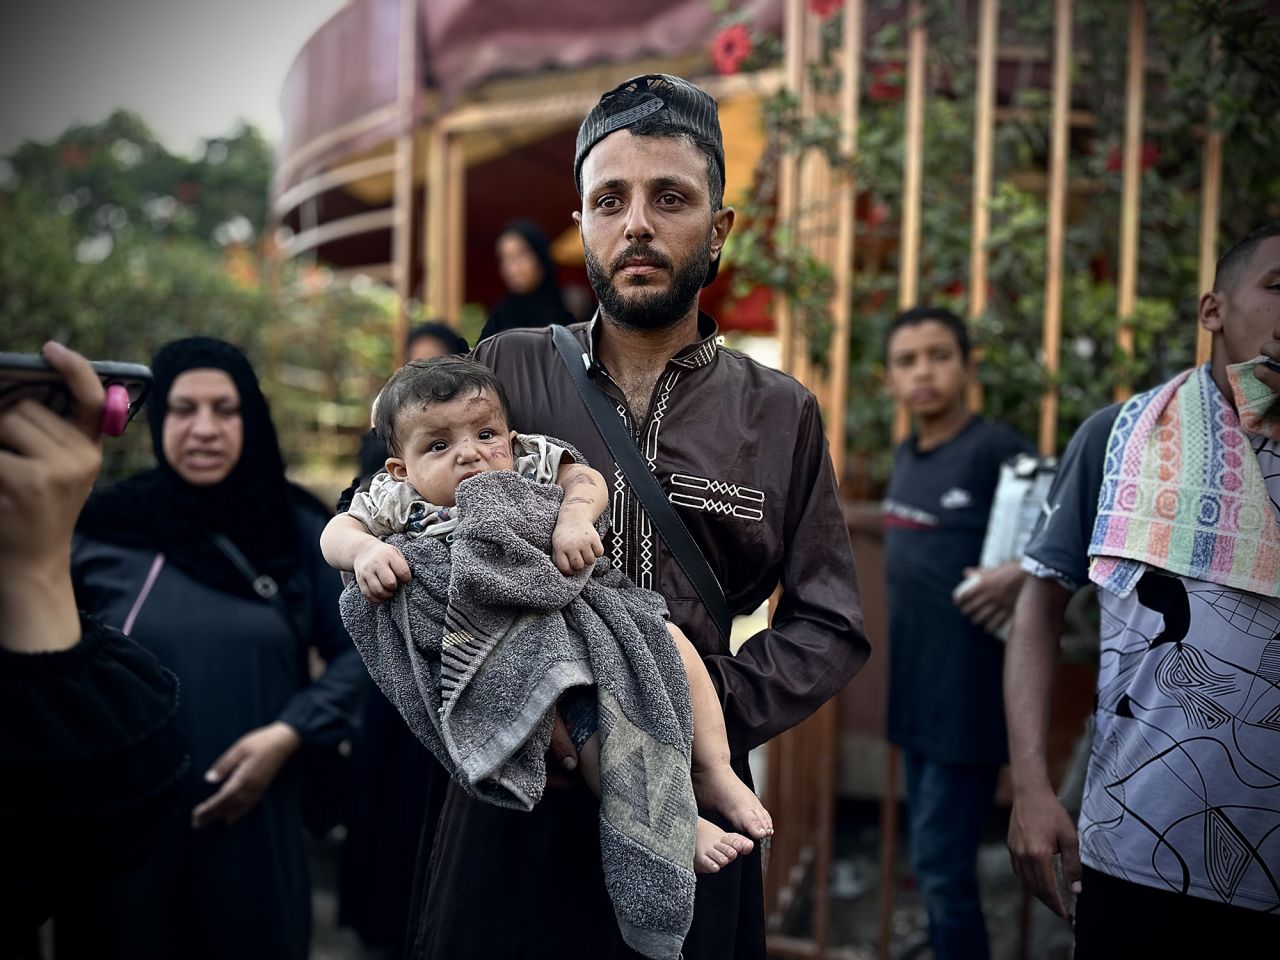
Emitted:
<point x="647" y="227"/>
<point x="924" y="370"/>
<point x="1246" y="315"/>
<point x="446" y="443"/>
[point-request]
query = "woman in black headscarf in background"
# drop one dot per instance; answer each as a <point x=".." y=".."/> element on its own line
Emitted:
<point x="211" y="561"/>
<point x="524" y="261"/>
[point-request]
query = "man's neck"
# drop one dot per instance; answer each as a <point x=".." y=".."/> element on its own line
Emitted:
<point x="1218" y="371"/>
<point x="635" y="358"/>
<point x="933" y="432"/>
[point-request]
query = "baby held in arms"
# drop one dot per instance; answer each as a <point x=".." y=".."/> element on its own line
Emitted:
<point x="446" y="420"/>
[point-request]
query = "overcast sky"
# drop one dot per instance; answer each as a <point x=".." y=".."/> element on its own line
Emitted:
<point x="190" y="69"/>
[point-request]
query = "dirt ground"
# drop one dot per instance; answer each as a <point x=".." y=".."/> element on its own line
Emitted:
<point x="855" y="895"/>
<point x="855" y="900"/>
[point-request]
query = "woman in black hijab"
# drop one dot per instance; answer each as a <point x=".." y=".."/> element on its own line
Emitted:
<point x="211" y="561"/>
<point x="524" y="261"/>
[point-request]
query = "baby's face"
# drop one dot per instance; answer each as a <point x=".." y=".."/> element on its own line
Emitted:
<point x="446" y="443"/>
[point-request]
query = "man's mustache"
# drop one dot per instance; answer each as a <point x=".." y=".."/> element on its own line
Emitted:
<point x="643" y="252"/>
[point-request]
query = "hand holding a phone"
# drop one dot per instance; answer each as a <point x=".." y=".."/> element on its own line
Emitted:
<point x="48" y="464"/>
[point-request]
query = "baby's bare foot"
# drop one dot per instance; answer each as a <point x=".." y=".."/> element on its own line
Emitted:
<point x="714" y="848"/>
<point x="719" y="789"/>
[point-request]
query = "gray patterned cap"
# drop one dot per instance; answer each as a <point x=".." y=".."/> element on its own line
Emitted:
<point x="685" y="107"/>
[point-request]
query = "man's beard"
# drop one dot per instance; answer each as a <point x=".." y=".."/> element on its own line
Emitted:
<point x="651" y="310"/>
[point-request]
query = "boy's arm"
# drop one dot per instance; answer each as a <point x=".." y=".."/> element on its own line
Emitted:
<point x="575" y="545"/>
<point x="990" y="597"/>
<point x="1040" y="829"/>
<point x="379" y="567"/>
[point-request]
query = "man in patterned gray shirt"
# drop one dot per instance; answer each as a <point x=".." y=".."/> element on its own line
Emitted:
<point x="1178" y="845"/>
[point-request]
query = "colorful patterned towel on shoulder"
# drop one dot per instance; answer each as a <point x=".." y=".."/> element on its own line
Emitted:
<point x="1182" y="491"/>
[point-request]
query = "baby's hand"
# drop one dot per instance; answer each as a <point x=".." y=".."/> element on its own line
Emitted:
<point x="575" y="546"/>
<point x="380" y="569"/>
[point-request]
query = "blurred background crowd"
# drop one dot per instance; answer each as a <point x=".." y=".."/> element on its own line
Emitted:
<point x="378" y="165"/>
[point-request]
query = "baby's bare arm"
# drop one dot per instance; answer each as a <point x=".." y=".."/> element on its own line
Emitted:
<point x="379" y="567"/>
<point x="343" y="538"/>
<point x="585" y="496"/>
<point x="575" y="544"/>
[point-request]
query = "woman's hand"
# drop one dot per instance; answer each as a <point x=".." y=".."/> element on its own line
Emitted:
<point x="47" y="467"/>
<point x="245" y="771"/>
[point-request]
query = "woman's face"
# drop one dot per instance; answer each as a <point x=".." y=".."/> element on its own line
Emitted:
<point x="203" y="432"/>
<point x="427" y="347"/>
<point x="518" y="264"/>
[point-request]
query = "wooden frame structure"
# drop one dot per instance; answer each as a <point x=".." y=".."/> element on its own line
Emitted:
<point x="800" y="762"/>
<point x="427" y="160"/>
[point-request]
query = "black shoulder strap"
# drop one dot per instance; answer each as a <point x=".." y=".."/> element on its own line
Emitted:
<point x="264" y="586"/>
<point x="623" y="448"/>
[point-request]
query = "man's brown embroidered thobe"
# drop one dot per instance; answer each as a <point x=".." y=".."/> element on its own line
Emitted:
<point x="739" y="449"/>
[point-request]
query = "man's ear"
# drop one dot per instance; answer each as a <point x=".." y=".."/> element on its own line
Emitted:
<point x="1212" y="312"/>
<point x="721" y="224"/>
<point x="577" y="218"/>
<point x="396" y="467"/>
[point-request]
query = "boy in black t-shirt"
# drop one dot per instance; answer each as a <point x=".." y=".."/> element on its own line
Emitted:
<point x="945" y="708"/>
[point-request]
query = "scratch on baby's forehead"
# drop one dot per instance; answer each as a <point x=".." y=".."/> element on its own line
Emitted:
<point x="481" y="398"/>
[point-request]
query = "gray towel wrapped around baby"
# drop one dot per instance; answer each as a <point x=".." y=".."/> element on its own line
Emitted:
<point x="474" y="652"/>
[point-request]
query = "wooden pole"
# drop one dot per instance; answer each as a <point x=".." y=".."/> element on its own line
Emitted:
<point x="846" y="232"/>
<point x="789" y="167"/>
<point x="913" y="160"/>
<point x="1210" y="198"/>
<point x="983" y="164"/>
<point x="811" y="202"/>
<point x="455" y="230"/>
<point x="1131" y="197"/>
<point x="888" y="854"/>
<point x="908" y="296"/>
<point x="437" y="225"/>
<point x="983" y="155"/>
<point x="402" y="199"/>
<point x="1057" y="201"/>
<point x="912" y="178"/>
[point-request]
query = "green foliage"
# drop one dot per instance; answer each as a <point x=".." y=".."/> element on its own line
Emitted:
<point x="1242" y="85"/>
<point x="115" y="246"/>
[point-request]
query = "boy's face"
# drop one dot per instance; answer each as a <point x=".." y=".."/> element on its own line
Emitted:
<point x="924" y="370"/>
<point x="1247" y="315"/>
<point x="445" y="443"/>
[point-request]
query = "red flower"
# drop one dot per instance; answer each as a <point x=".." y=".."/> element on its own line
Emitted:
<point x="825" y="8"/>
<point x="1149" y="157"/>
<point x="877" y="214"/>
<point x="886" y="82"/>
<point x="73" y="156"/>
<point x="730" y="47"/>
<point x="956" y="288"/>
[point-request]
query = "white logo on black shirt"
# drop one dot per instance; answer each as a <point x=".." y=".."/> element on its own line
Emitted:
<point x="956" y="499"/>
